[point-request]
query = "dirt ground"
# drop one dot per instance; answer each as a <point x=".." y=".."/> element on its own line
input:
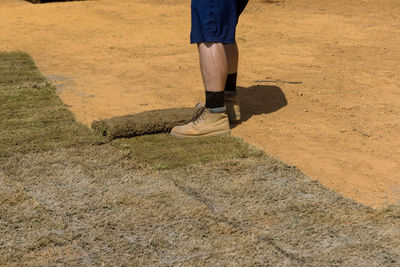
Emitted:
<point x="318" y="77"/>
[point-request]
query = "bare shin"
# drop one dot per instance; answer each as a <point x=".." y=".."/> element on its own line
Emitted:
<point x="213" y="65"/>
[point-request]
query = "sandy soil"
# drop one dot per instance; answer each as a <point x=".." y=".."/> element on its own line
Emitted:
<point x="320" y="78"/>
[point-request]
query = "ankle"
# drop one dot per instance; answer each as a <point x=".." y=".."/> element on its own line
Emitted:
<point x="214" y="99"/>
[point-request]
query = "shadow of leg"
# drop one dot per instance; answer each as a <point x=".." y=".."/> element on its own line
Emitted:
<point x="260" y="99"/>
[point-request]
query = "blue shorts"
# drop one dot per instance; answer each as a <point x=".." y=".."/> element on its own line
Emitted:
<point x="215" y="20"/>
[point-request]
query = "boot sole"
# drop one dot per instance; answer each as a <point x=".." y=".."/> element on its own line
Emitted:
<point x="234" y="118"/>
<point x="218" y="133"/>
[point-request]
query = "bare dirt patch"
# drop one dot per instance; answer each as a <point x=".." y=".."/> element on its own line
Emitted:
<point x="341" y="121"/>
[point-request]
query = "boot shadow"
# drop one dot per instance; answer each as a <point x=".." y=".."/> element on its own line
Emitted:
<point x="260" y="99"/>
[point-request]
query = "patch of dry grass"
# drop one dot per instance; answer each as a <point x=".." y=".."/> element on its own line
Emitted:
<point x="307" y="223"/>
<point x="162" y="151"/>
<point x="94" y="206"/>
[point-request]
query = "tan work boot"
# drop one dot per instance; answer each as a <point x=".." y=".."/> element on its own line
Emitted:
<point x="232" y="105"/>
<point x="205" y="122"/>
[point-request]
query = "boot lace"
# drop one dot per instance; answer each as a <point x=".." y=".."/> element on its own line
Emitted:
<point x="198" y="115"/>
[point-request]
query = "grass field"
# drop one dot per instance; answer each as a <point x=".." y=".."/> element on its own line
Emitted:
<point x="67" y="196"/>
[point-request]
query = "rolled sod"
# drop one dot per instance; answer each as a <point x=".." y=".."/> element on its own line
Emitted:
<point x="148" y="122"/>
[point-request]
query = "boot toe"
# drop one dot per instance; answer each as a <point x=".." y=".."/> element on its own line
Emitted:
<point x="175" y="130"/>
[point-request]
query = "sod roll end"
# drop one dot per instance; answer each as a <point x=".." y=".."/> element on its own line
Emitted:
<point x="148" y="122"/>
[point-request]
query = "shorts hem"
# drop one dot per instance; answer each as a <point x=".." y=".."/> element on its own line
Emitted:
<point x="197" y="41"/>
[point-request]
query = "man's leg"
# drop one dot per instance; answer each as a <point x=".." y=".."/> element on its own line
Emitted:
<point x="232" y="55"/>
<point x="214" y="69"/>
<point x="211" y="119"/>
<point x="213" y="65"/>
<point x="210" y="69"/>
<point x="213" y="25"/>
<point x="231" y="96"/>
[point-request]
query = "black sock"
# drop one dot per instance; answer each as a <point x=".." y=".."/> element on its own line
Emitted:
<point x="214" y="99"/>
<point x="230" y="84"/>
